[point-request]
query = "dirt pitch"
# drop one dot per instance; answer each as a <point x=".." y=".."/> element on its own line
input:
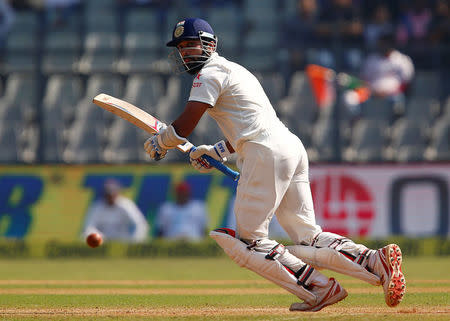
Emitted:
<point x="210" y="311"/>
<point x="73" y="287"/>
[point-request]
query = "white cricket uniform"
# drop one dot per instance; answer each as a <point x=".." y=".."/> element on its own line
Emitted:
<point x="122" y="221"/>
<point x="273" y="161"/>
<point x="387" y="74"/>
<point x="185" y="221"/>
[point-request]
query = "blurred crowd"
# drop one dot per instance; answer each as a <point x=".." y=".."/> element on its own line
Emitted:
<point x="311" y="31"/>
<point x="349" y="25"/>
<point x="317" y="22"/>
<point x="57" y="54"/>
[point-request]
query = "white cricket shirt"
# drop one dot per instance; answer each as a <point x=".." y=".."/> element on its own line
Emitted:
<point x="387" y="73"/>
<point x="122" y="221"/>
<point x="240" y="107"/>
<point x="187" y="221"/>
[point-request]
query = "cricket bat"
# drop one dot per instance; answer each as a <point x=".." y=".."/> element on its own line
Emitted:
<point x="151" y="125"/>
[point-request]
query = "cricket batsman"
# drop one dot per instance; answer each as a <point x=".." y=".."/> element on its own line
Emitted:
<point x="274" y="179"/>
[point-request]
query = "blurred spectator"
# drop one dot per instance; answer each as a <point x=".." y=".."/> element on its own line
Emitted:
<point x="20" y="5"/>
<point x="387" y="73"/>
<point x="57" y="12"/>
<point x="440" y="25"/>
<point x="6" y="21"/>
<point x="341" y="25"/>
<point x="298" y="36"/>
<point x="162" y="8"/>
<point x="380" y="22"/>
<point x="415" y="22"/>
<point x="185" y="218"/>
<point x="116" y="217"/>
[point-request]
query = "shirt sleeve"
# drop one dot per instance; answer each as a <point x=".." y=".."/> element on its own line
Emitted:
<point x="161" y="218"/>
<point x="205" y="216"/>
<point x="137" y="219"/>
<point x="90" y="225"/>
<point x="406" y="69"/>
<point x="368" y="69"/>
<point x="207" y="86"/>
<point x="201" y="214"/>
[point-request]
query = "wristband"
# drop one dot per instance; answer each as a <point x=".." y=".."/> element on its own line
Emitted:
<point x="221" y="149"/>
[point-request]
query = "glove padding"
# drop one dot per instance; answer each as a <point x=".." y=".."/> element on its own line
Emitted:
<point x="218" y="151"/>
<point x="201" y="164"/>
<point x="167" y="138"/>
<point x="152" y="147"/>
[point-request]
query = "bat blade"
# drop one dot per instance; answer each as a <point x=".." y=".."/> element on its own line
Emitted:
<point x="150" y="124"/>
<point x="129" y="112"/>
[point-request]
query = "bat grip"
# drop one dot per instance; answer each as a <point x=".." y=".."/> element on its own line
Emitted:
<point x="221" y="167"/>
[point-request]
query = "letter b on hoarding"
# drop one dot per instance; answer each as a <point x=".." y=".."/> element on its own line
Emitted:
<point x="17" y="195"/>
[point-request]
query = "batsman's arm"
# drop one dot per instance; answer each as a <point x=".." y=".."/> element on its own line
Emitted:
<point x="187" y="121"/>
<point x="185" y="124"/>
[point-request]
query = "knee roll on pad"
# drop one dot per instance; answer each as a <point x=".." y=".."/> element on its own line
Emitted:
<point x="276" y="251"/>
<point x="326" y="253"/>
<point x="257" y="262"/>
<point x="354" y="252"/>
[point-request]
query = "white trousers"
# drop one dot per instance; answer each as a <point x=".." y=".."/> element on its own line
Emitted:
<point x="275" y="179"/>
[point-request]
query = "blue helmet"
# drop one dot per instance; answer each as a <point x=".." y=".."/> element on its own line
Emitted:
<point x="191" y="28"/>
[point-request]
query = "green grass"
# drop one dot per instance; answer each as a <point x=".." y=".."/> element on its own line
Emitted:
<point x="418" y="268"/>
<point x="62" y="285"/>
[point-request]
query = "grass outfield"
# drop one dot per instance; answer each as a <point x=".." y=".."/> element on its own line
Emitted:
<point x="199" y="289"/>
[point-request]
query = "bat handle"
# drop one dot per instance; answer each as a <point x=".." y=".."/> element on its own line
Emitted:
<point x="223" y="168"/>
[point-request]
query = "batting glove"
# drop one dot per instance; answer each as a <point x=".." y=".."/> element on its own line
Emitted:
<point x="153" y="149"/>
<point x="152" y="146"/>
<point x="218" y="151"/>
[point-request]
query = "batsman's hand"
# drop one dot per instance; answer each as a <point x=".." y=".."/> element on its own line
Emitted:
<point x="153" y="149"/>
<point x="218" y="151"/>
<point x="152" y="146"/>
<point x="201" y="164"/>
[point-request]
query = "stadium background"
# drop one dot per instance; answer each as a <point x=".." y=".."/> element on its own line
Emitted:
<point x="386" y="175"/>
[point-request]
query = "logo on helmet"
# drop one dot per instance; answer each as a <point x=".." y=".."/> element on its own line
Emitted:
<point x="178" y="31"/>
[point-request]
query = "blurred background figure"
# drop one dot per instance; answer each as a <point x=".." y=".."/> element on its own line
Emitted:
<point x="415" y="22"/>
<point x="6" y="21"/>
<point x="414" y="29"/>
<point x="298" y="36"/>
<point x="379" y="23"/>
<point x="57" y="12"/>
<point x="386" y="72"/>
<point x="116" y="217"/>
<point x="186" y="218"/>
<point x="440" y="25"/>
<point x="341" y="27"/>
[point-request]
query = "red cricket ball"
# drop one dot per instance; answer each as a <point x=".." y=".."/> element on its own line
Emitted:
<point x="94" y="240"/>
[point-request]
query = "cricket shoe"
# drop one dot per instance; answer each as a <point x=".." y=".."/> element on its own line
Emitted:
<point x="388" y="266"/>
<point x="331" y="293"/>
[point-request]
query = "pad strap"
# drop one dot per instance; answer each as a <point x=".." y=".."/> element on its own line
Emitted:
<point x="248" y="256"/>
<point x="303" y="275"/>
<point x="276" y="252"/>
